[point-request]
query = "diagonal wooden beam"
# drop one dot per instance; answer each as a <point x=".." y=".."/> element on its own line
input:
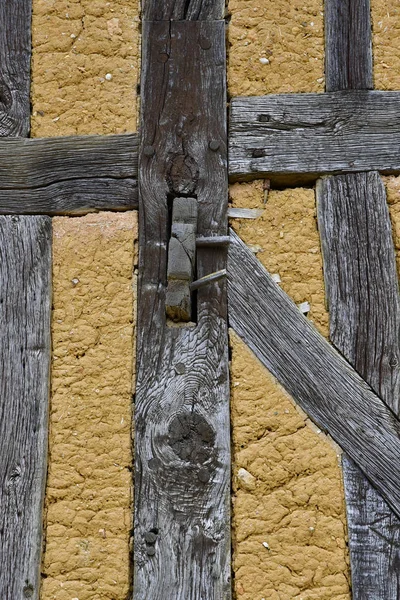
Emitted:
<point x="326" y="387"/>
<point x="68" y="175"/>
<point x="291" y="138"/>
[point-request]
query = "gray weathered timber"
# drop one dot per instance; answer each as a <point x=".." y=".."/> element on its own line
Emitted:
<point x="182" y="472"/>
<point x="364" y="309"/>
<point x="348" y="47"/>
<point x="289" y="138"/>
<point x="183" y="10"/>
<point x="25" y="308"/>
<point x="15" y="60"/>
<point x="326" y="387"/>
<point x="70" y="175"/>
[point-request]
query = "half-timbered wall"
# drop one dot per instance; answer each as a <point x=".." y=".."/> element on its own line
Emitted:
<point x="289" y="530"/>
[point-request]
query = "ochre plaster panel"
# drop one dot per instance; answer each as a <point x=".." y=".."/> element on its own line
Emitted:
<point x="286" y="240"/>
<point x="275" y="46"/>
<point x="84" y="67"/>
<point x="392" y="185"/>
<point x="89" y="489"/>
<point x="386" y="43"/>
<point x="288" y="517"/>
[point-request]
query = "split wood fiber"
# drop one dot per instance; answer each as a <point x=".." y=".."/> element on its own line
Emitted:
<point x="364" y="309"/>
<point x="89" y="496"/>
<point x="290" y="138"/>
<point x="70" y="175"/>
<point x="182" y="471"/>
<point x="25" y="308"/>
<point x="325" y="386"/>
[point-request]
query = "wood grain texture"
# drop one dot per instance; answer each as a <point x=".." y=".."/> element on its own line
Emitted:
<point x="287" y="137"/>
<point x="324" y="385"/>
<point x="25" y="308"/>
<point x="364" y="309"/>
<point x="183" y="10"/>
<point x="182" y="471"/>
<point x="70" y="175"/>
<point x="15" y="62"/>
<point x="348" y="45"/>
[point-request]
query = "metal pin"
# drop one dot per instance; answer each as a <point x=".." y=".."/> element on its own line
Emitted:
<point x="216" y="240"/>
<point x="199" y="283"/>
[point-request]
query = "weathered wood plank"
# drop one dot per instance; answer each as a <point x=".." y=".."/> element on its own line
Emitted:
<point x="293" y="137"/>
<point x="25" y="308"/>
<point x="70" y="175"/>
<point x="182" y="472"/>
<point x="15" y="60"/>
<point x="348" y="46"/>
<point x="364" y="309"/>
<point x="183" y="10"/>
<point x="326" y="387"/>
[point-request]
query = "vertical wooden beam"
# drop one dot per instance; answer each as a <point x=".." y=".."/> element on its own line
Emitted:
<point x="348" y="46"/>
<point x="183" y="10"/>
<point x="25" y="307"/>
<point x="362" y="292"/>
<point x="15" y="59"/>
<point x="182" y="471"/>
<point x="364" y="309"/>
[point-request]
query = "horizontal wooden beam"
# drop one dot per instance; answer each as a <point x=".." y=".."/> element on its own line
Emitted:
<point x="292" y="138"/>
<point x="324" y="385"/>
<point x="68" y="175"/>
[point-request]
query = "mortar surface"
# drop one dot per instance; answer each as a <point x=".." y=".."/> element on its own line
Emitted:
<point x="84" y="67"/>
<point x="89" y="489"/>
<point x="275" y="47"/>
<point x="386" y="44"/>
<point x="288" y="505"/>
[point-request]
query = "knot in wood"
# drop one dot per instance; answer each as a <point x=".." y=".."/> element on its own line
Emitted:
<point x="182" y="174"/>
<point x="191" y="437"/>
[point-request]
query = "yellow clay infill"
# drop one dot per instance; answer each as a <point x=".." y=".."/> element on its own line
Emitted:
<point x="89" y="487"/>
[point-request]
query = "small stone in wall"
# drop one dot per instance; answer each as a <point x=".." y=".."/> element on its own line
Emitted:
<point x="246" y="479"/>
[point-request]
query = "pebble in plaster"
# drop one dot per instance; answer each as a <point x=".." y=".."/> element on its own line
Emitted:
<point x="275" y="46"/>
<point x="77" y="44"/>
<point x="89" y="488"/>
<point x="287" y="242"/>
<point x="386" y="44"/>
<point x="289" y="524"/>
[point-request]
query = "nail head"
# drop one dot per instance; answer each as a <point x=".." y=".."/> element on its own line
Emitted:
<point x="150" y="551"/>
<point x="150" y="537"/>
<point x="163" y="57"/>
<point x="204" y="475"/>
<point x="180" y="368"/>
<point x="213" y="145"/>
<point x="205" y="43"/>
